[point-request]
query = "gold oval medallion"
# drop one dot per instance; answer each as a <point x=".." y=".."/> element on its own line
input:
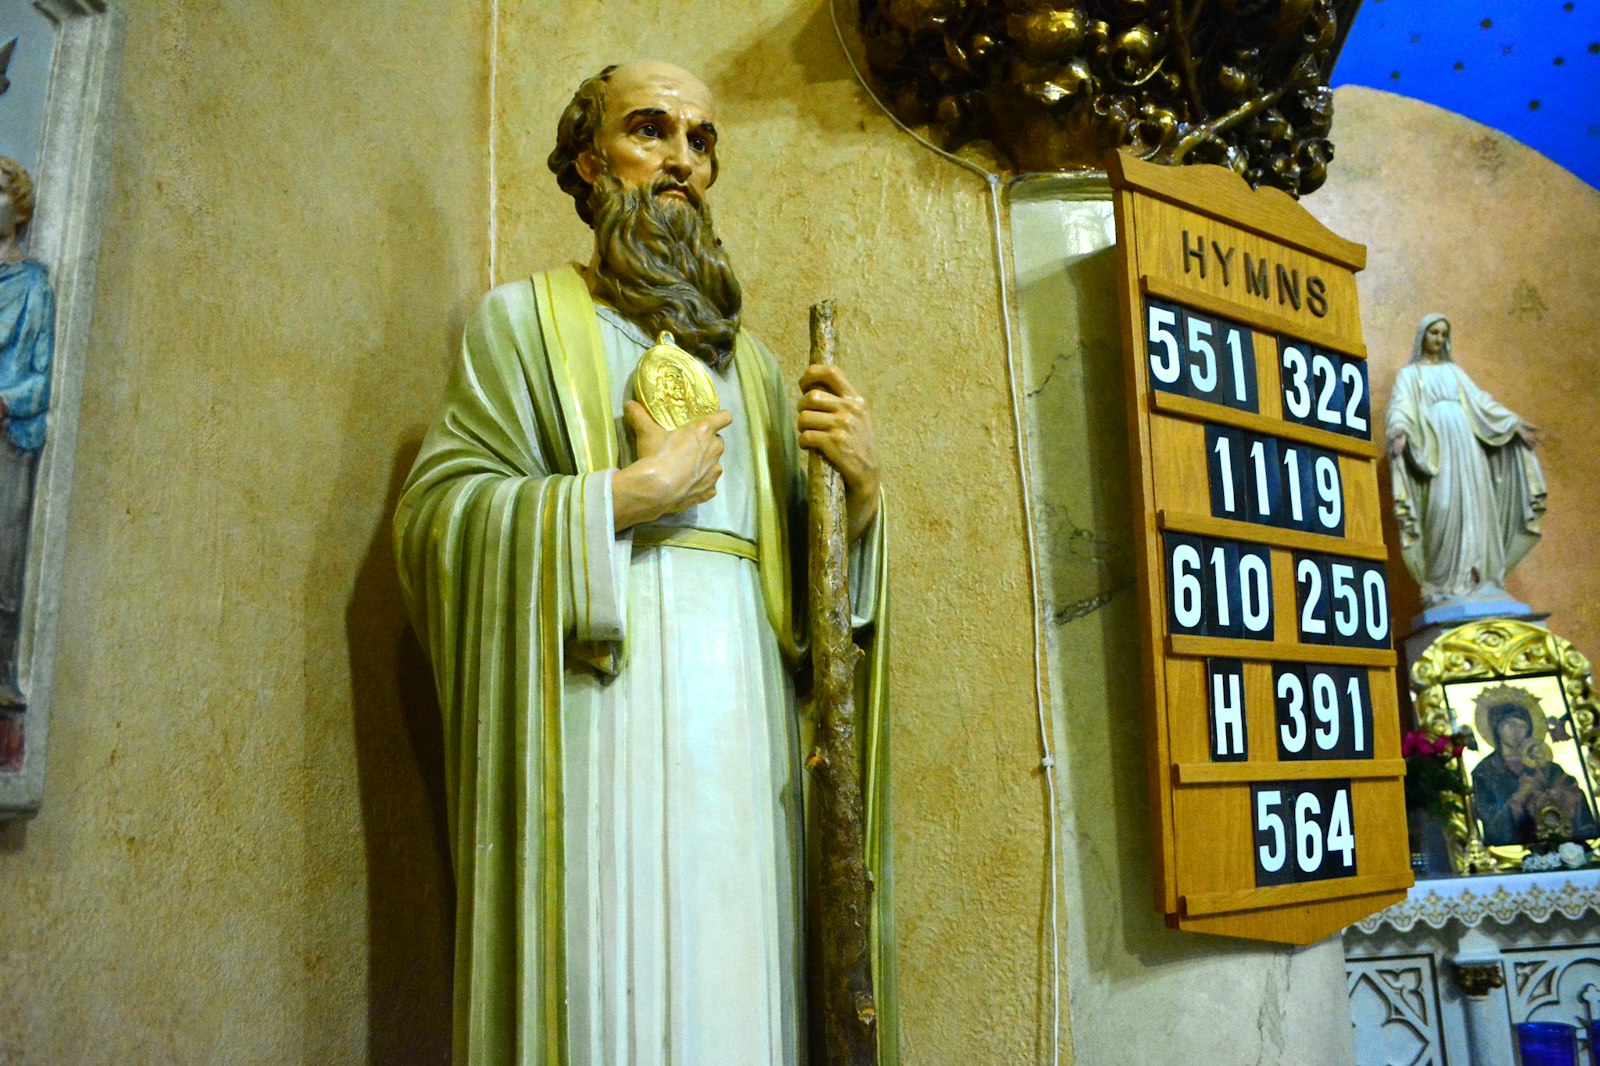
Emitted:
<point x="673" y="385"/>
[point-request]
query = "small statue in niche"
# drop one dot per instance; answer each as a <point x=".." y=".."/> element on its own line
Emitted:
<point x="27" y="335"/>
<point x="1468" y="491"/>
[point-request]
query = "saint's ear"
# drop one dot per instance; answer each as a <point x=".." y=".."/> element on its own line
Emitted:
<point x="588" y="166"/>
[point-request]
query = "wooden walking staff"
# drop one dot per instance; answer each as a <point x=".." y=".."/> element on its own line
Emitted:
<point x="844" y="967"/>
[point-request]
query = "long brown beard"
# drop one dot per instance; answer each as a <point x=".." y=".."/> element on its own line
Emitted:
<point x="662" y="266"/>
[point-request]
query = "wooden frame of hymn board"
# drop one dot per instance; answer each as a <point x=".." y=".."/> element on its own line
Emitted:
<point x="1275" y="770"/>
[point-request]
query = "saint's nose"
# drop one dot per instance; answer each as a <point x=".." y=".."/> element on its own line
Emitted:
<point x="676" y="161"/>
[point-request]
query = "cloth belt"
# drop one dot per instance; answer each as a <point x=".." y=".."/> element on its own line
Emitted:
<point x="706" y="540"/>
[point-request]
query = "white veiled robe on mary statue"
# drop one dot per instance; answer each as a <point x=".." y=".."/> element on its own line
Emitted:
<point x="1468" y="491"/>
<point x="625" y="787"/>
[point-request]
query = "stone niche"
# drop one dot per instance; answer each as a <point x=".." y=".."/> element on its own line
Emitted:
<point x="58" y="108"/>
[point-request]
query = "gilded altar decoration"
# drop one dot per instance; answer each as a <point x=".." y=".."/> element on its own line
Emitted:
<point x="1522" y="696"/>
<point x="1478" y="979"/>
<point x="673" y="385"/>
<point x="1056" y="84"/>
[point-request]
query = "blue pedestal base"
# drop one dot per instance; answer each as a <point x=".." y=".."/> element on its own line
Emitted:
<point x="1456" y="614"/>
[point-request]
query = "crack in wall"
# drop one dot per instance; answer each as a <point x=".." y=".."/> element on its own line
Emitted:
<point x="1071" y="612"/>
<point x="1055" y="361"/>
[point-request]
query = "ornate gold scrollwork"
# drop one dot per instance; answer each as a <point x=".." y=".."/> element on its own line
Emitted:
<point x="1478" y="979"/>
<point x="1484" y="651"/>
<point x="1055" y="84"/>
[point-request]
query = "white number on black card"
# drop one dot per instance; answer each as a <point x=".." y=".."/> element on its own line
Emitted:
<point x="1341" y="601"/>
<point x="1273" y="482"/>
<point x="1225" y="701"/>
<point x="1200" y="355"/>
<point x="1323" y="712"/>
<point x="1303" y="831"/>
<point x="1324" y="389"/>
<point x="1218" y="588"/>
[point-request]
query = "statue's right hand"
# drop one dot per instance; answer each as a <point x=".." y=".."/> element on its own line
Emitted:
<point x="1397" y="445"/>
<point x="676" y="469"/>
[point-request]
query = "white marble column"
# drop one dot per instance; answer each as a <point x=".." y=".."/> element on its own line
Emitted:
<point x="1477" y="970"/>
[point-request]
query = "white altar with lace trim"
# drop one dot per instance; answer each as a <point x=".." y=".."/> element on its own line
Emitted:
<point x="1538" y="933"/>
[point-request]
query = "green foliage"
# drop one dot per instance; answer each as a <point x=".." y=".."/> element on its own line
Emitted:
<point x="1434" y="778"/>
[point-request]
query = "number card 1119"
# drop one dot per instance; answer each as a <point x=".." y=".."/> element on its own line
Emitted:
<point x="1276" y="777"/>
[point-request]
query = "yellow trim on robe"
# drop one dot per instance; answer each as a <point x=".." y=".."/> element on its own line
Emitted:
<point x="706" y="540"/>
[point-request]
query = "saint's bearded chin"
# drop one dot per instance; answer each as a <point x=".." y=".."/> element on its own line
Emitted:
<point x="661" y="265"/>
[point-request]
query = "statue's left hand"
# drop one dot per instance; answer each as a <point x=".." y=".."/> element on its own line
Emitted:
<point x="1531" y="434"/>
<point x="835" y="422"/>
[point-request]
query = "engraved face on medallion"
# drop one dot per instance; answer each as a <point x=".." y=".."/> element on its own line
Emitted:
<point x="673" y="385"/>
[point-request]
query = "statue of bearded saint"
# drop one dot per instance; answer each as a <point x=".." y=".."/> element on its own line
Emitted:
<point x="610" y="608"/>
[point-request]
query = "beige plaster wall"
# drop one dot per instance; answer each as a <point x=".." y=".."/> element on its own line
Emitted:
<point x="1461" y="219"/>
<point x="240" y="857"/>
<point x="1135" y="985"/>
<point x="820" y="196"/>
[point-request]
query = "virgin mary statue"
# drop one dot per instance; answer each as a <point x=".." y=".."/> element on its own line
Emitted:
<point x="1468" y="491"/>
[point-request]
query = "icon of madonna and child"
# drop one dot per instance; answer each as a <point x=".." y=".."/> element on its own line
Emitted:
<point x="1521" y="794"/>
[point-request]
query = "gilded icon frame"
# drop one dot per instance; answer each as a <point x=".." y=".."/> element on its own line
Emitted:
<point x="1502" y="657"/>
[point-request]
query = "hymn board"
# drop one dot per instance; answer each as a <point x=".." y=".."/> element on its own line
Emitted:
<point x="1274" y="738"/>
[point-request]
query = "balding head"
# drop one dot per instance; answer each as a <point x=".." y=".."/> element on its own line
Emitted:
<point x="655" y="74"/>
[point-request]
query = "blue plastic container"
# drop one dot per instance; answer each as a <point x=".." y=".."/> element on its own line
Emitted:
<point x="1547" y="1043"/>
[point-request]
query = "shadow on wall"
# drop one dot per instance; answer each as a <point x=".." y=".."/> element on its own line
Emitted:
<point x="393" y="714"/>
<point x="751" y="84"/>
<point x="751" y="87"/>
<point x="399" y="746"/>
<point x="1083" y="483"/>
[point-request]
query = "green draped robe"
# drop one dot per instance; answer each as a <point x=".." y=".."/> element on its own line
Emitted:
<point x="500" y="583"/>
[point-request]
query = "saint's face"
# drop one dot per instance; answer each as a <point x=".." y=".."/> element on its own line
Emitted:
<point x="1512" y="732"/>
<point x="657" y="122"/>
<point x="1433" y="339"/>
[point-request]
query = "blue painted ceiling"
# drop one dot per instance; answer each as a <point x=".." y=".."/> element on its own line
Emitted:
<point x="1529" y="68"/>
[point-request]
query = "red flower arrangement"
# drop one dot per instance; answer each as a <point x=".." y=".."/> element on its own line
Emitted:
<point x="1434" y="780"/>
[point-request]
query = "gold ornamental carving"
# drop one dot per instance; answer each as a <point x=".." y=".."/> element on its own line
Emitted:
<point x="1477" y="979"/>
<point x="1501" y="648"/>
<point x="1487" y="651"/>
<point x="1056" y="84"/>
<point x="673" y="385"/>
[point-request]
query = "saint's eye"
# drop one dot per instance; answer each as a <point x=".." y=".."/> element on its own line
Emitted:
<point x="648" y="130"/>
<point x="698" y="144"/>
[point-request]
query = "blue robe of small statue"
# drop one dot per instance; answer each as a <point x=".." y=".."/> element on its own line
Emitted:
<point x="27" y="336"/>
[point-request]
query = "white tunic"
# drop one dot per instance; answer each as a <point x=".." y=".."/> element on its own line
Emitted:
<point x="683" y="794"/>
